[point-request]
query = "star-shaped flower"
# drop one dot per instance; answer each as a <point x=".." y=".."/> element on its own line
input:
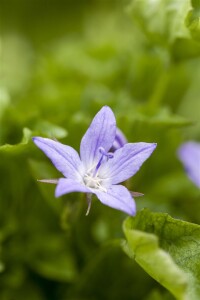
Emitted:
<point x="189" y="154"/>
<point x="97" y="171"/>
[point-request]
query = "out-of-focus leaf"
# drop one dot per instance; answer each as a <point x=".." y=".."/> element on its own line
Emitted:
<point x="50" y="130"/>
<point x="4" y="104"/>
<point x="41" y="128"/>
<point x="167" y="249"/>
<point x="111" y="284"/>
<point x="16" y="67"/>
<point x="157" y="295"/>
<point x="18" y="148"/>
<point x="58" y="267"/>
<point x="4" y="101"/>
<point x="2" y="265"/>
<point x="193" y="19"/>
<point x="28" y="290"/>
<point x="162" y="20"/>
<point x="52" y="258"/>
<point x="160" y="118"/>
<point x="45" y="170"/>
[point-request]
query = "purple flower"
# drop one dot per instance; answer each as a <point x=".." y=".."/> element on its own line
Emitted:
<point x="189" y="154"/>
<point x="97" y="171"/>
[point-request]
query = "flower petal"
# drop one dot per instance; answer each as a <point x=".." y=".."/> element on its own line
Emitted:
<point x="118" y="197"/>
<point x="101" y="133"/>
<point x="127" y="161"/>
<point x="189" y="154"/>
<point x="64" y="158"/>
<point x="51" y="181"/>
<point x="66" y="186"/>
<point x="120" y="140"/>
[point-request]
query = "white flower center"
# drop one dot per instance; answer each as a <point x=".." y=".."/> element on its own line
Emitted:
<point x="93" y="182"/>
<point x="91" y="177"/>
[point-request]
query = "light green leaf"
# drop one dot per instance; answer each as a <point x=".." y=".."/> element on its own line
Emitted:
<point x="45" y="128"/>
<point x="167" y="249"/>
<point x="162" y="20"/>
<point x="4" y="101"/>
<point x="50" y="130"/>
<point x="20" y="147"/>
<point x="158" y="117"/>
<point x="193" y="19"/>
<point x="15" y="67"/>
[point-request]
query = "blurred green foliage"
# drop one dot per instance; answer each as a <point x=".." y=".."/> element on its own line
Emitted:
<point x="61" y="61"/>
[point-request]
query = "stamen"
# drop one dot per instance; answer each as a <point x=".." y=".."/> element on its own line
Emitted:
<point x="91" y="178"/>
<point x="104" y="153"/>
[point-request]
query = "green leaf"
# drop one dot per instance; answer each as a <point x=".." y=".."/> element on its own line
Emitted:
<point x="4" y="101"/>
<point x="20" y="147"/>
<point x="167" y="249"/>
<point x="42" y="127"/>
<point x="41" y="170"/>
<point x="50" y="130"/>
<point x="162" y="20"/>
<point x="152" y="119"/>
<point x="58" y="267"/>
<point x="51" y="258"/>
<point x="16" y="62"/>
<point x="163" y="117"/>
<point x="27" y="290"/>
<point x="193" y="20"/>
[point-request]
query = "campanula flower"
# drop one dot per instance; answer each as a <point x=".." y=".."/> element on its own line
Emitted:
<point x="189" y="154"/>
<point x="97" y="171"/>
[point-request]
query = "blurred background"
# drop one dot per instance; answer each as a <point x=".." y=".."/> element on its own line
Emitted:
<point x="60" y="62"/>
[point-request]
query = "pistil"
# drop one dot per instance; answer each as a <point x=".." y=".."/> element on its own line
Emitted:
<point x="91" y="178"/>
<point x="104" y="154"/>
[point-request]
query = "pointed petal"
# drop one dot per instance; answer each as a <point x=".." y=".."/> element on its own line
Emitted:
<point x="66" y="186"/>
<point x="127" y="161"/>
<point x="189" y="154"/>
<point x="136" y="194"/>
<point x="118" y="197"/>
<point x="89" y="201"/>
<point x="101" y="133"/>
<point x="64" y="158"/>
<point x="52" y="181"/>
